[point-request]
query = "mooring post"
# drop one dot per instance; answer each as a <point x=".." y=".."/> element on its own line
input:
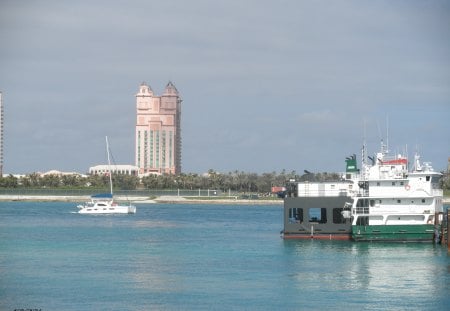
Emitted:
<point x="448" y="231"/>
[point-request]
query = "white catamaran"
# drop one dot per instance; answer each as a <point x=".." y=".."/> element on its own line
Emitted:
<point x="104" y="203"/>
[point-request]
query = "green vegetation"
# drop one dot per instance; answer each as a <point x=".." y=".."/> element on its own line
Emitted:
<point x="445" y="184"/>
<point x="236" y="181"/>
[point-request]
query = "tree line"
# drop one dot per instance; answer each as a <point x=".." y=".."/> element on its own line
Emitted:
<point x="235" y="181"/>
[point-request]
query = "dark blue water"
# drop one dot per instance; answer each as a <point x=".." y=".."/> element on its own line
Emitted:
<point x="203" y="257"/>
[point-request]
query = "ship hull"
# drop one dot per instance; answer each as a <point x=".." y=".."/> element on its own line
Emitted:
<point x="317" y="236"/>
<point x="394" y="233"/>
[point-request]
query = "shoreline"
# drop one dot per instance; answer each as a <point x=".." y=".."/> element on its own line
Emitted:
<point x="140" y="200"/>
<point x="147" y="200"/>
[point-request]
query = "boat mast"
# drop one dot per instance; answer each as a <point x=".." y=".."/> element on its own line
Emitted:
<point x="109" y="166"/>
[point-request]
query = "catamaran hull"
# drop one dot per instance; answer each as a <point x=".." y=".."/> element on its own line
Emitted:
<point x="394" y="233"/>
<point x="109" y="210"/>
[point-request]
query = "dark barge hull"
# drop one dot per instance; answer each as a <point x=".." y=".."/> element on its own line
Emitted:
<point x="316" y="218"/>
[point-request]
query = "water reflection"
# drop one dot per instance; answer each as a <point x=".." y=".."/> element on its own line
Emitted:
<point x="368" y="271"/>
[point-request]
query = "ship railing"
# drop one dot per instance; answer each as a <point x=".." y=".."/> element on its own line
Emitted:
<point x="323" y="193"/>
<point x="361" y="193"/>
<point x="432" y="192"/>
<point x="437" y="192"/>
<point x="362" y="210"/>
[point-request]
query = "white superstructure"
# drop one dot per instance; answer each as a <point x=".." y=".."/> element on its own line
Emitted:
<point x="325" y="188"/>
<point x="392" y="195"/>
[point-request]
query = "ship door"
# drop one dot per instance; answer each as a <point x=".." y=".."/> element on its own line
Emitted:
<point x="317" y="217"/>
<point x="361" y="223"/>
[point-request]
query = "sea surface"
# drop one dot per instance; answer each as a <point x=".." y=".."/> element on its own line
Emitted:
<point x="203" y="257"/>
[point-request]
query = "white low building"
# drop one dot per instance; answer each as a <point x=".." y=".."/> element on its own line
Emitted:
<point x="115" y="169"/>
<point x="60" y="173"/>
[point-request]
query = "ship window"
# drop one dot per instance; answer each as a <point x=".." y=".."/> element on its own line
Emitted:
<point x="423" y="200"/>
<point x="435" y="182"/>
<point x="362" y="210"/>
<point x="399" y="201"/>
<point x="402" y="183"/>
<point x="296" y="215"/>
<point x="378" y="183"/>
<point x="318" y="215"/>
<point x="372" y="203"/>
<point x="362" y="203"/>
<point x="428" y="178"/>
<point x="338" y="218"/>
<point x="393" y="183"/>
<point x="362" y="221"/>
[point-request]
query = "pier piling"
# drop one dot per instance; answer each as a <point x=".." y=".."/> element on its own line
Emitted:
<point x="448" y="231"/>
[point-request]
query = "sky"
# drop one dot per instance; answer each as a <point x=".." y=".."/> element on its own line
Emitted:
<point x="266" y="85"/>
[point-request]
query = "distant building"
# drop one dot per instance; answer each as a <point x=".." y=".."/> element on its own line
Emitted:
<point x="158" y="131"/>
<point x="1" y="134"/>
<point x="59" y="173"/>
<point x="115" y="169"/>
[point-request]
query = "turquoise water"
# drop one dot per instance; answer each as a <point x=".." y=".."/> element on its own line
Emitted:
<point x="203" y="257"/>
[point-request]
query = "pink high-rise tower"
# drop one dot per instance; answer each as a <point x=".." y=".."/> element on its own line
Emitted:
<point x="158" y="132"/>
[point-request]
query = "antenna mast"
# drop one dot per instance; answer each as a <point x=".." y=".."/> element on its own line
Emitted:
<point x="1" y="135"/>
<point x="364" y="155"/>
<point x="109" y="166"/>
<point x="387" y="134"/>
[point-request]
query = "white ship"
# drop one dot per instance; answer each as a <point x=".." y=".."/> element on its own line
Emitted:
<point x="397" y="204"/>
<point x="384" y="201"/>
